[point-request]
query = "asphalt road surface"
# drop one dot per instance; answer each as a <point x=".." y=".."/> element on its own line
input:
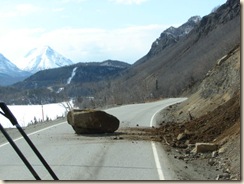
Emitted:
<point x="93" y="157"/>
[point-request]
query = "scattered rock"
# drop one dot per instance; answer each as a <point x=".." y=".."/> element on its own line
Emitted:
<point x="187" y="142"/>
<point x="234" y="177"/>
<point x="181" y="157"/>
<point x="225" y="176"/>
<point x="222" y="150"/>
<point x="211" y="162"/>
<point x="190" y="146"/>
<point x="214" y="154"/>
<point x="205" y="147"/>
<point x="181" y="136"/>
<point x="187" y="132"/>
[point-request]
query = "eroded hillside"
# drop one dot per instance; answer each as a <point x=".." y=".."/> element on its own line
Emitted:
<point x="219" y="85"/>
<point x="211" y="115"/>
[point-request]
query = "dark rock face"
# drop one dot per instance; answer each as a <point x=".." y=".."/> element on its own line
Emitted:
<point x="92" y="121"/>
<point x="222" y="15"/>
<point x="172" y="35"/>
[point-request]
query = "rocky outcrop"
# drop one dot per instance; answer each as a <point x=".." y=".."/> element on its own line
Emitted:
<point x="92" y="121"/>
<point x="172" y="35"/>
<point x="222" y="15"/>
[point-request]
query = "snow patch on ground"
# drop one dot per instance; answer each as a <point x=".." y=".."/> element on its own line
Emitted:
<point x="59" y="90"/>
<point x="28" y="114"/>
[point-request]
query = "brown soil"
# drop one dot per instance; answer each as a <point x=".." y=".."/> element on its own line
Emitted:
<point x="212" y="127"/>
<point x="221" y="126"/>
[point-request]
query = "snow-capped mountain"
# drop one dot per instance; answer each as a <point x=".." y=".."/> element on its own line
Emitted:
<point x="9" y="72"/>
<point x="7" y="67"/>
<point x="43" y="58"/>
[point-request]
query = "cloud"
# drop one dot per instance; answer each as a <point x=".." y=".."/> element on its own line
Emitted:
<point x="129" y="2"/>
<point x="16" y="43"/>
<point x="128" y="44"/>
<point x="58" y="9"/>
<point x="26" y="8"/>
<point x="18" y="10"/>
<point x="71" y="1"/>
<point x="83" y="44"/>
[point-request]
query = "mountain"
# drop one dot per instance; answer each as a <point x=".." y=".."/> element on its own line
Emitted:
<point x="43" y="58"/>
<point x="74" y="81"/>
<point x="178" y="62"/>
<point x="9" y="72"/>
<point x="167" y="70"/>
<point x="211" y="114"/>
<point x="79" y="73"/>
<point x="170" y="36"/>
<point x="114" y="63"/>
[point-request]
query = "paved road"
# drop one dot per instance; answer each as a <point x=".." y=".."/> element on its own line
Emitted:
<point x="74" y="157"/>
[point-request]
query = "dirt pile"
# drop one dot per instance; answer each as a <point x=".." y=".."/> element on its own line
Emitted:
<point x="220" y="126"/>
<point x="210" y="127"/>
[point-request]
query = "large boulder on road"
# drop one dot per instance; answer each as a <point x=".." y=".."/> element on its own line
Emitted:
<point x="92" y="121"/>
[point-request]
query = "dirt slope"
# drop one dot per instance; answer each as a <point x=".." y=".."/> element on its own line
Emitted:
<point x="212" y="115"/>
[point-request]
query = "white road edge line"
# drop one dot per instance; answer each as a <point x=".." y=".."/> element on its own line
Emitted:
<point x="155" y="153"/>
<point x="4" y="144"/>
<point x="158" y="165"/>
<point x="151" y="122"/>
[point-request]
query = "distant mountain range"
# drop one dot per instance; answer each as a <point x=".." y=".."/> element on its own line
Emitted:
<point x="37" y="59"/>
<point x="58" y="84"/>
<point x="9" y="72"/>
<point x="176" y="61"/>
<point x="43" y="58"/>
<point x="79" y="73"/>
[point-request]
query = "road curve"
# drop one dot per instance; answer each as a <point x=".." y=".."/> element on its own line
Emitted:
<point x="93" y="157"/>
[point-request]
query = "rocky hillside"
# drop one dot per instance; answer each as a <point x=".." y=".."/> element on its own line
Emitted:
<point x="182" y="64"/>
<point x="210" y="115"/>
<point x="219" y="85"/>
<point x="170" y="37"/>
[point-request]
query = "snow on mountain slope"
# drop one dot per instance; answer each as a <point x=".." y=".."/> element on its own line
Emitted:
<point x="8" y="68"/>
<point x="72" y="75"/>
<point x="10" y="73"/>
<point x="43" y="58"/>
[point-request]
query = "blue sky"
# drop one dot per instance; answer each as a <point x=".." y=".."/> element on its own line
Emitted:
<point x="92" y="30"/>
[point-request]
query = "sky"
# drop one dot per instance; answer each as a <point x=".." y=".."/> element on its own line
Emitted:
<point x="92" y="30"/>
